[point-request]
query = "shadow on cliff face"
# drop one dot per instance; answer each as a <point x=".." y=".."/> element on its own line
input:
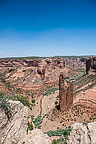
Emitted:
<point x="58" y="107"/>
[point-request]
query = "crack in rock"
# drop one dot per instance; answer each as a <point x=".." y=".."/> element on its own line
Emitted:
<point x="88" y="133"/>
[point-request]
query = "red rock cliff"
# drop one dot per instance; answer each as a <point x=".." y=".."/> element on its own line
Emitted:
<point x="65" y="94"/>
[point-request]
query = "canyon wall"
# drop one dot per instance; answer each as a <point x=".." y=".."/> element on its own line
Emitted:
<point x="90" y="64"/>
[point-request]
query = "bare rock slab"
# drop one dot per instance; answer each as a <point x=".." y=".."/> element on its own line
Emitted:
<point x="83" y="133"/>
<point x="15" y="130"/>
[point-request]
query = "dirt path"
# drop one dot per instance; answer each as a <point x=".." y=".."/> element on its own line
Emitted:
<point x="47" y="103"/>
<point x="41" y="104"/>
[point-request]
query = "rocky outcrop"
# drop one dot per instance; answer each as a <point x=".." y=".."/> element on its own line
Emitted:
<point x="41" y="72"/>
<point x="15" y="130"/>
<point x="62" y="93"/>
<point x="65" y="94"/>
<point x="69" y="94"/>
<point x="90" y="64"/>
<point x="35" y="137"/>
<point x="83" y="133"/>
<point x="31" y="63"/>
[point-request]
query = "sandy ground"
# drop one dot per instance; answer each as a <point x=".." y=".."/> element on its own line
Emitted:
<point x="36" y="109"/>
<point x="48" y="102"/>
<point x="44" y="104"/>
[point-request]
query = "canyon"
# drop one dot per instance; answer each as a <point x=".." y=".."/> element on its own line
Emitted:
<point x="59" y="91"/>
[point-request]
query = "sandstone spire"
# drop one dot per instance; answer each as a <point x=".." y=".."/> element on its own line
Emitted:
<point x="69" y="94"/>
<point x="62" y="93"/>
<point x="65" y="94"/>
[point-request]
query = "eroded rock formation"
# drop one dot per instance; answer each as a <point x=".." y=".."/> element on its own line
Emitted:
<point x="12" y="131"/>
<point x="62" y="93"/>
<point x="69" y="94"/>
<point x="90" y="64"/>
<point x="41" y="72"/>
<point x="33" y="76"/>
<point x="16" y="131"/>
<point x="65" y="94"/>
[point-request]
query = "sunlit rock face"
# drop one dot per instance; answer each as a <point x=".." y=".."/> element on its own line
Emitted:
<point x="69" y="94"/>
<point x="62" y="93"/>
<point x="83" y="133"/>
<point x="15" y="130"/>
<point x="90" y="64"/>
<point x="65" y="94"/>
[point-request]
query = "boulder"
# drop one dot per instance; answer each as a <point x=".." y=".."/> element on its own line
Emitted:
<point x="15" y="129"/>
<point x="36" y="136"/>
<point x="83" y="133"/>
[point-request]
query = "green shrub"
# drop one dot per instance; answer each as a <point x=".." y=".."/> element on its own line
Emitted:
<point x="55" y="141"/>
<point x="3" y="80"/>
<point x="38" y="121"/>
<point x="30" y="126"/>
<point x="20" y="98"/>
<point x="32" y="117"/>
<point x="59" y="132"/>
<point x="39" y="126"/>
<point x="61" y="121"/>
<point x="23" y="100"/>
<point x="48" y="92"/>
<point x="56" y="102"/>
<point x="61" y="140"/>
<point x="33" y="100"/>
<point x="1" y="94"/>
<point x="4" y="105"/>
<point x="8" y="84"/>
<point x="74" y="119"/>
<point x="52" y="119"/>
<point x="65" y="133"/>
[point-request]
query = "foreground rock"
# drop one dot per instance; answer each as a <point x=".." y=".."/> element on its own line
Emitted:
<point x="15" y="129"/>
<point x="35" y="137"/>
<point x="83" y="133"/>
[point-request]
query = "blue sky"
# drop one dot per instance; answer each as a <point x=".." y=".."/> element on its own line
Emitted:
<point x="47" y="27"/>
